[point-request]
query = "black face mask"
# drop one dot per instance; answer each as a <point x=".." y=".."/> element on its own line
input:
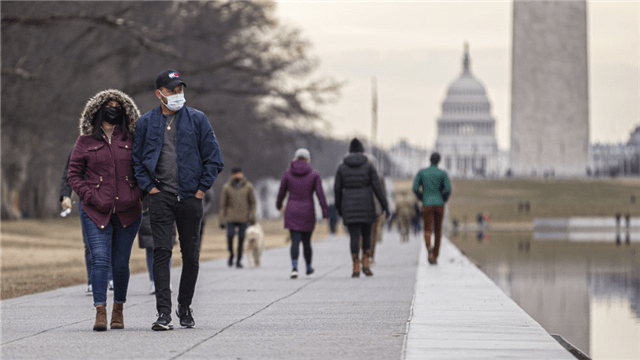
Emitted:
<point x="112" y="115"/>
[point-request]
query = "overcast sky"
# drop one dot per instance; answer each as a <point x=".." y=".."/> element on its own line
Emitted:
<point x="415" y="51"/>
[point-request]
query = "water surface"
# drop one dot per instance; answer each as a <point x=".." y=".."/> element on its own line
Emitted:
<point x="587" y="292"/>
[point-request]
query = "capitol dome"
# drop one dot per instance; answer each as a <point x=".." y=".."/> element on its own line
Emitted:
<point x="466" y="130"/>
<point x="466" y="84"/>
<point x="465" y="91"/>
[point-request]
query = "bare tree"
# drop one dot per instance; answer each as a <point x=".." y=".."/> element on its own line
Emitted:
<point x="248" y="73"/>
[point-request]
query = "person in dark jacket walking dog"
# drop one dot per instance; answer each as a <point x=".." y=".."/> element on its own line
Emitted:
<point x="354" y="182"/>
<point x="237" y="210"/>
<point x="176" y="158"/>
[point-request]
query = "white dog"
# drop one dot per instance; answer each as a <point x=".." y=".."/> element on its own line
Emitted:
<point x="254" y="244"/>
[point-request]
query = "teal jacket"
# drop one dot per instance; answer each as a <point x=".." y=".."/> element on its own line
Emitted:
<point x="435" y="184"/>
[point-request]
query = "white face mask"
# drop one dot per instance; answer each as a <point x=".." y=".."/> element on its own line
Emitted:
<point x="174" y="102"/>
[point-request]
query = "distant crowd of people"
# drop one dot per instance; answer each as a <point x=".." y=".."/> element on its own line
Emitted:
<point x="149" y="175"/>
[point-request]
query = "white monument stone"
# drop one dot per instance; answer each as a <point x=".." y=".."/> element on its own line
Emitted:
<point x="549" y="89"/>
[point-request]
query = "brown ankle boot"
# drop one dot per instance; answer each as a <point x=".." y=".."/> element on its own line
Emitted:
<point x="117" y="319"/>
<point x="430" y="258"/>
<point x="356" y="266"/>
<point x="101" y="318"/>
<point x="365" y="263"/>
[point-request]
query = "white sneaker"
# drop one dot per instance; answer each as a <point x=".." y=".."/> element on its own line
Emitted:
<point x="152" y="288"/>
<point x="89" y="290"/>
<point x="294" y="274"/>
<point x="111" y="285"/>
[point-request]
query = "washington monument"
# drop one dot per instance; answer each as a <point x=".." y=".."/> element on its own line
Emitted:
<point x="549" y="89"/>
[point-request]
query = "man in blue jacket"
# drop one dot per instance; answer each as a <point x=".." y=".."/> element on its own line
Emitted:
<point x="176" y="158"/>
<point x="433" y="188"/>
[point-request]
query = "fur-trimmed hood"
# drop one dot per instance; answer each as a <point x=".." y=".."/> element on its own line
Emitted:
<point x="95" y="103"/>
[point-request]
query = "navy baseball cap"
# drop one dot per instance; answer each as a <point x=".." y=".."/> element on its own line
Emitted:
<point x="169" y="79"/>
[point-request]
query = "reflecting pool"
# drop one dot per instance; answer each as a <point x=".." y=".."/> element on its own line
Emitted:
<point x="587" y="292"/>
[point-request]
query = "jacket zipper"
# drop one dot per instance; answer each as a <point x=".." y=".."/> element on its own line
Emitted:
<point x="111" y="152"/>
<point x="176" y="147"/>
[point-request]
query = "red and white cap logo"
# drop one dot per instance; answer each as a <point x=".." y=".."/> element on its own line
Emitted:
<point x="174" y="75"/>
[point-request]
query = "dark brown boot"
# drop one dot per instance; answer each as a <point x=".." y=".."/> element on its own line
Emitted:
<point x="365" y="263"/>
<point x="356" y="266"/>
<point x="117" y="319"/>
<point x="101" y="318"/>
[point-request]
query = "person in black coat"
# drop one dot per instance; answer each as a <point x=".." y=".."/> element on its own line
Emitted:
<point x="354" y="182"/>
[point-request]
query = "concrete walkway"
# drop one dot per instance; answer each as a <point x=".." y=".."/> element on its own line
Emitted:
<point x="459" y="313"/>
<point x="406" y="310"/>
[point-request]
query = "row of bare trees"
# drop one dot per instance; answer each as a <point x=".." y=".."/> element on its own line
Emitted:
<point x="252" y="76"/>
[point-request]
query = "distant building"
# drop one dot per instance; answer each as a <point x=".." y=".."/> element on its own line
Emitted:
<point x="407" y="160"/>
<point x="466" y="130"/>
<point x="621" y="159"/>
<point x="549" y="89"/>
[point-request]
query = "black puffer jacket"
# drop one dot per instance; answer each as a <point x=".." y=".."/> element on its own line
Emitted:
<point x="355" y="180"/>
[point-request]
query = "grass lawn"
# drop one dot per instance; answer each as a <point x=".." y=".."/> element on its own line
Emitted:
<point x="41" y="255"/>
<point x="548" y="198"/>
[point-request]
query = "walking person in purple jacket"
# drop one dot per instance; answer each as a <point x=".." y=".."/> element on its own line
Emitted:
<point x="300" y="181"/>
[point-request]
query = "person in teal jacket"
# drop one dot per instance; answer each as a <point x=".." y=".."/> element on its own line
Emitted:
<point x="433" y="188"/>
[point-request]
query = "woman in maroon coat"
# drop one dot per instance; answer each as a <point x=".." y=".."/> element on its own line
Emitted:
<point x="100" y="172"/>
<point x="300" y="181"/>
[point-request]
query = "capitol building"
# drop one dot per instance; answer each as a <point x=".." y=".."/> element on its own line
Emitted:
<point x="467" y="143"/>
<point x="466" y="137"/>
<point x="466" y="130"/>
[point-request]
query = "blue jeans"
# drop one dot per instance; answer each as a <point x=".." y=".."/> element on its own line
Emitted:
<point x="110" y="247"/>
<point x="150" y="263"/>
<point x="87" y="254"/>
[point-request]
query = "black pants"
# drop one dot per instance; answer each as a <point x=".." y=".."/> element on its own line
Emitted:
<point x="164" y="209"/>
<point x="355" y="232"/>
<point x="231" y="232"/>
<point x="296" y="238"/>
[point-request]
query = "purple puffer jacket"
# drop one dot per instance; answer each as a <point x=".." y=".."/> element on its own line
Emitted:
<point x="301" y="181"/>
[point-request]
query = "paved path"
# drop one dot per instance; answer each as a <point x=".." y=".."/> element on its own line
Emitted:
<point x="262" y="314"/>
<point x="459" y="313"/>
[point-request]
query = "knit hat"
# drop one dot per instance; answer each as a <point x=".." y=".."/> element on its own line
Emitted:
<point x="236" y="170"/>
<point x="356" y="146"/>
<point x="302" y="153"/>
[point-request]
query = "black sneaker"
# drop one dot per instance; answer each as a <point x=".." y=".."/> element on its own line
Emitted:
<point x="310" y="271"/>
<point x="163" y="323"/>
<point x="186" y="316"/>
